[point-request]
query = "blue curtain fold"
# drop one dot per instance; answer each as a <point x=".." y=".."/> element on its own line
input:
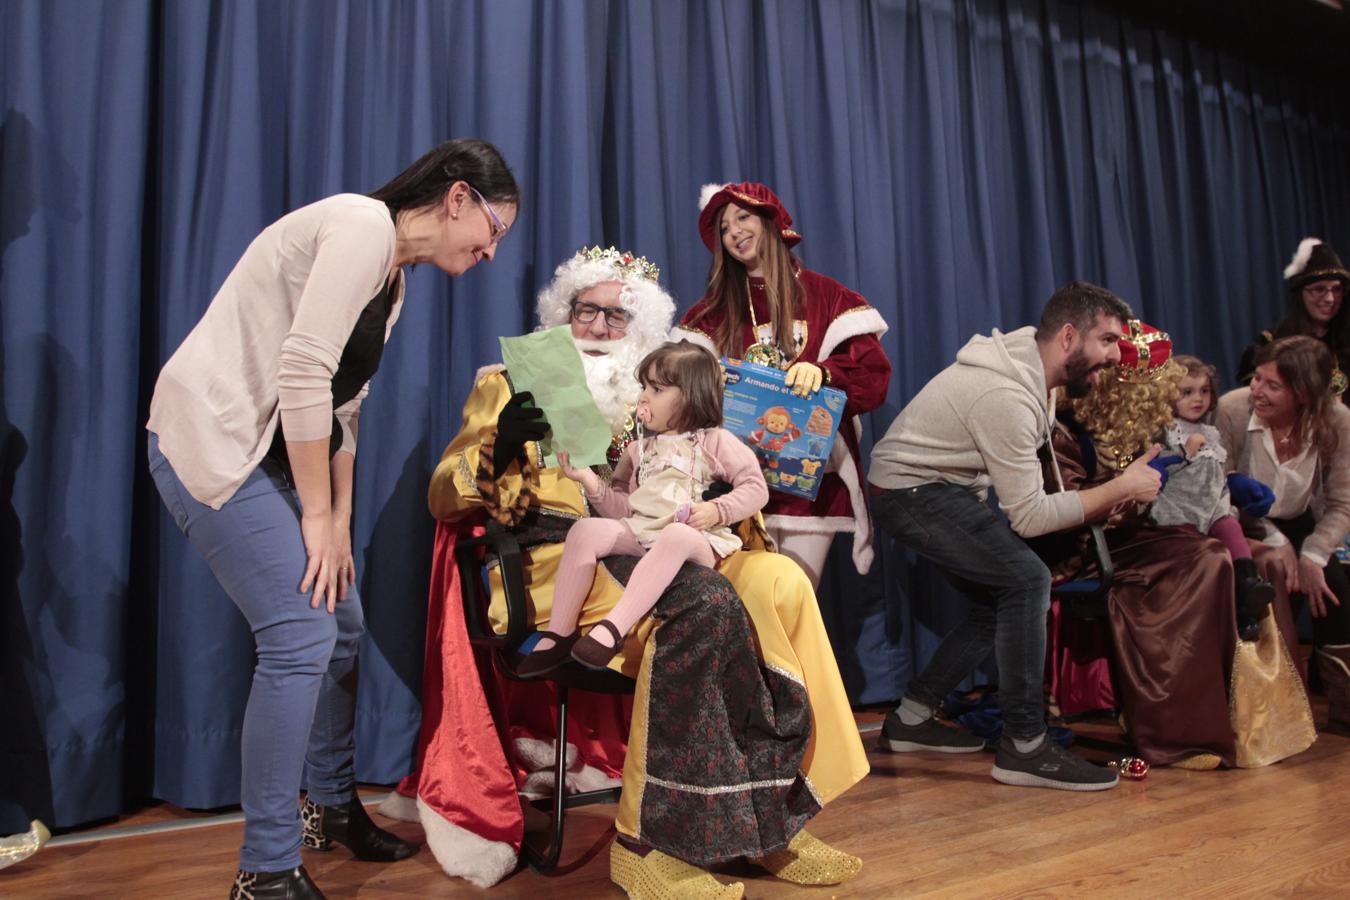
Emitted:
<point x="953" y="160"/>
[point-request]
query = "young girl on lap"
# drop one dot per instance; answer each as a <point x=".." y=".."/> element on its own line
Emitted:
<point x="652" y="508"/>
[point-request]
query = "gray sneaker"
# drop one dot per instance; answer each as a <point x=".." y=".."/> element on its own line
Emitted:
<point x="1049" y="766"/>
<point x="930" y="734"/>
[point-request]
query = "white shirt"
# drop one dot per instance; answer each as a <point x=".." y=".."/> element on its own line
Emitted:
<point x="1292" y="480"/>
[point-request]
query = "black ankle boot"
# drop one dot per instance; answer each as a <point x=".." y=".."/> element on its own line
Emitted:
<point x="349" y="826"/>
<point x="1254" y="594"/>
<point x="293" y="884"/>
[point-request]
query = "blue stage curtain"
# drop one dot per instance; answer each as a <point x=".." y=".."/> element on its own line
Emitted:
<point x="953" y="161"/>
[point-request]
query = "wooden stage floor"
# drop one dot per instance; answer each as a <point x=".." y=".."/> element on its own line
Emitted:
<point x="926" y="825"/>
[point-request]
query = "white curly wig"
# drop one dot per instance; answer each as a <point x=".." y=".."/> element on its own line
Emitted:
<point x="653" y="309"/>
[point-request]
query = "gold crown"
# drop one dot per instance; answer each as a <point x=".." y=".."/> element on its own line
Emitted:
<point x="624" y="262"/>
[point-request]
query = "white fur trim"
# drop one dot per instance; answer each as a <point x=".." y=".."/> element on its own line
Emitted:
<point x="537" y="758"/>
<point x="860" y="525"/>
<point x="706" y="193"/>
<point x="849" y="324"/>
<point x="810" y="524"/>
<point x="397" y="806"/>
<point x="487" y="370"/>
<point x="1301" y="256"/>
<point x="463" y="854"/>
<point x="678" y="334"/>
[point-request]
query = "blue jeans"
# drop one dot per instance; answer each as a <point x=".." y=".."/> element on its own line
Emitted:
<point x="1008" y="587"/>
<point x="302" y="707"/>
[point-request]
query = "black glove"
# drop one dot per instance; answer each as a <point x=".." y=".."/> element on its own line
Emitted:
<point x="517" y="424"/>
<point x="715" y="490"/>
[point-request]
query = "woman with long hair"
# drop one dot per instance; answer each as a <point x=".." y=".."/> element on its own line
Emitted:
<point x="1288" y="430"/>
<point x="253" y="432"/>
<point x="763" y="306"/>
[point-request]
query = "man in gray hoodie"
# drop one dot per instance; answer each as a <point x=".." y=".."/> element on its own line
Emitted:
<point x="983" y="422"/>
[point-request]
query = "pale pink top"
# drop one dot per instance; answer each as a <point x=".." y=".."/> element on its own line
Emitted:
<point x="659" y="474"/>
<point x="269" y="343"/>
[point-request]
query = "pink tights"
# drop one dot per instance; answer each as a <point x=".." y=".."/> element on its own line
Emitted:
<point x="1228" y="530"/>
<point x="591" y="540"/>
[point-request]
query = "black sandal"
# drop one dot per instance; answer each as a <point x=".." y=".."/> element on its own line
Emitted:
<point x="541" y="662"/>
<point x="593" y="654"/>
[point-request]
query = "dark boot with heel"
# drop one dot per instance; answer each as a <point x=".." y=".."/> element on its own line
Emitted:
<point x="350" y="826"/>
<point x="1254" y="596"/>
<point x="293" y="884"/>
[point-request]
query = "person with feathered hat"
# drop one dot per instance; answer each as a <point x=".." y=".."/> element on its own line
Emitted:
<point x="1316" y="281"/>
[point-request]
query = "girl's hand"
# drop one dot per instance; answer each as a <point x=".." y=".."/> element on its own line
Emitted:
<point x="321" y="571"/>
<point x="804" y="378"/>
<point x="584" y="477"/>
<point x="703" y="516"/>
<point x="1312" y="580"/>
<point x="1195" y="443"/>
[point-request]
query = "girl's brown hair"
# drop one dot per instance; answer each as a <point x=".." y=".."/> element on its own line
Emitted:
<point x="697" y="374"/>
<point x="729" y="290"/>
<point x="1196" y="366"/>
<point x="1305" y="365"/>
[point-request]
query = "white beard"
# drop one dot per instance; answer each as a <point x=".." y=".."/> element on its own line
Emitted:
<point x="612" y="378"/>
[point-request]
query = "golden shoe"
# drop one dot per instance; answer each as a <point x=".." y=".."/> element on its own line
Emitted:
<point x="809" y="860"/>
<point x="657" y="876"/>
<point x="18" y="847"/>
<point x="1200" y="762"/>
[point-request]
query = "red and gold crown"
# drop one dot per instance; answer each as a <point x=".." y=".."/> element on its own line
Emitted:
<point x="1145" y="354"/>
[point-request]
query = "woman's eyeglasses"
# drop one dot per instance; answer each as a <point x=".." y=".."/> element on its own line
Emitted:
<point x="498" y="228"/>
<point x="1318" y="291"/>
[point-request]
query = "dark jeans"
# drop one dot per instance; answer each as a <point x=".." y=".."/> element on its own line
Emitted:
<point x="1334" y="627"/>
<point x="1007" y="584"/>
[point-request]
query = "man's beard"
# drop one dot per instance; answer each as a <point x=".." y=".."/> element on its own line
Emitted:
<point x="1076" y="372"/>
<point x="612" y="378"/>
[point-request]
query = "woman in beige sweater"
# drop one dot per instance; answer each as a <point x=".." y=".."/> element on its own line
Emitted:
<point x="253" y="429"/>
<point x="1289" y="431"/>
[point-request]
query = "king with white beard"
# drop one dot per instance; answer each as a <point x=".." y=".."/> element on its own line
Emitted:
<point x="464" y="789"/>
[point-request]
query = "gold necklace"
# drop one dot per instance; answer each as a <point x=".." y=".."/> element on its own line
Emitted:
<point x="761" y="352"/>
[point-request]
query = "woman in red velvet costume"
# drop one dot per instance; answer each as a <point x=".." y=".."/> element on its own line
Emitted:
<point x="763" y="306"/>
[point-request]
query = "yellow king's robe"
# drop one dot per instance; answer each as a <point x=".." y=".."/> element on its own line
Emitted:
<point x="777" y="595"/>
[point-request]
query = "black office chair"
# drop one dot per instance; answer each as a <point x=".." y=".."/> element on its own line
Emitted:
<point x="500" y="546"/>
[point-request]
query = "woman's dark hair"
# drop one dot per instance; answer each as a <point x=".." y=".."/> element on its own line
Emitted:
<point x="697" y="374"/>
<point x="425" y="182"/>
<point x="1305" y="365"/>
<point x="1297" y="321"/>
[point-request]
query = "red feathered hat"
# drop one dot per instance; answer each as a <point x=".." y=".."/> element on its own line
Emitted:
<point x="749" y="194"/>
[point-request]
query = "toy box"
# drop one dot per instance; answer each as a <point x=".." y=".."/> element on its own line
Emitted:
<point x="791" y="435"/>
